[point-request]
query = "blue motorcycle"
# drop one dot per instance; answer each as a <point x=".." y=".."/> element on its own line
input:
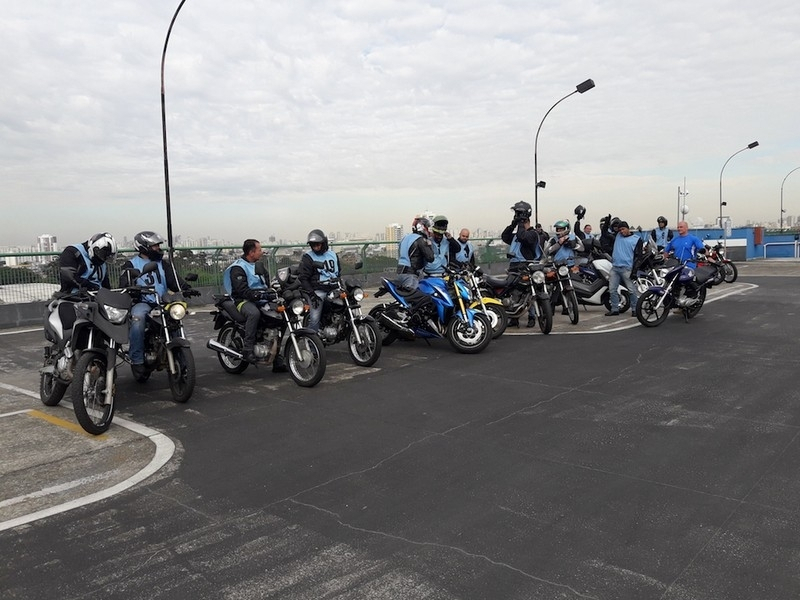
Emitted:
<point x="438" y="308"/>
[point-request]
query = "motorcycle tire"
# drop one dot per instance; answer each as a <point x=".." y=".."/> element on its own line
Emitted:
<point x="88" y="394"/>
<point x="692" y="311"/>
<point x="51" y="390"/>
<point x="731" y="272"/>
<point x="719" y="275"/>
<point x="388" y="336"/>
<point x="469" y="340"/>
<point x="571" y="301"/>
<point x="181" y="384"/>
<point x="647" y="311"/>
<point x="308" y="367"/>
<point x="624" y="300"/>
<point x="498" y="318"/>
<point x="545" y="316"/>
<point x="229" y="336"/>
<point x="368" y="351"/>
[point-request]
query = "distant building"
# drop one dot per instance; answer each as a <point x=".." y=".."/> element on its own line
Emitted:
<point x="46" y="243"/>
<point x="393" y="233"/>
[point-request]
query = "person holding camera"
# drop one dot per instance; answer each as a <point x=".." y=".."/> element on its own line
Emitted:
<point x="523" y="246"/>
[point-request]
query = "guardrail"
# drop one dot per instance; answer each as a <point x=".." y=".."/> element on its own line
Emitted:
<point x="33" y="277"/>
<point x="795" y="243"/>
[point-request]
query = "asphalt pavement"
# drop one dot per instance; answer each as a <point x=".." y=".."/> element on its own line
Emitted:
<point x="605" y="460"/>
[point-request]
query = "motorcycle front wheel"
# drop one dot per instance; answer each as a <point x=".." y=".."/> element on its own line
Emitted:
<point x="181" y="383"/>
<point x="469" y="339"/>
<point x="368" y="351"/>
<point x="88" y="394"/>
<point x="731" y="272"/>
<point x="388" y="336"/>
<point x="306" y="367"/>
<point x="571" y="302"/>
<point x="497" y="317"/>
<point x="51" y="390"/>
<point x="648" y="312"/>
<point x="545" y="316"/>
<point x="230" y="337"/>
<point x="624" y="300"/>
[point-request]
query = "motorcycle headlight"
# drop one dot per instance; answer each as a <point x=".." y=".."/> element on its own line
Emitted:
<point x="283" y="274"/>
<point x="297" y="306"/>
<point x="358" y="294"/>
<point x="115" y="315"/>
<point x="538" y="277"/>
<point x="177" y="311"/>
<point x="563" y="271"/>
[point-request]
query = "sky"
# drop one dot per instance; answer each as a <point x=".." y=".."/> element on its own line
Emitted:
<point x="350" y="115"/>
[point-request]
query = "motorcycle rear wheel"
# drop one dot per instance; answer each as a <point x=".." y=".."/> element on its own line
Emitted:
<point x="692" y="311"/>
<point x="470" y="340"/>
<point x="229" y="336"/>
<point x="368" y="351"/>
<point x="647" y="311"/>
<point x="308" y="367"/>
<point x="624" y="300"/>
<point x="719" y="274"/>
<point x="731" y="272"/>
<point x="498" y="319"/>
<point x="88" y="394"/>
<point x="388" y="336"/>
<point x="181" y="384"/>
<point x="51" y="390"/>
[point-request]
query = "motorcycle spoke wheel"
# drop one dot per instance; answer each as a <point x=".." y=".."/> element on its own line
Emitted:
<point x="572" y="307"/>
<point x="648" y="312"/>
<point x="388" y="336"/>
<point x="368" y="351"/>
<point x="691" y="312"/>
<point x="88" y="394"/>
<point x="624" y="301"/>
<point x="545" y="316"/>
<point x="719" y="275"/>
<point x="469" y="339"/>
<point x="230" y="337"/>
<point x="731" y="272"/>
<point x="498" y="319"/>
<point x="181" y="384"/>
<point x="51" y="390"/>
<point x="308" y="366"/>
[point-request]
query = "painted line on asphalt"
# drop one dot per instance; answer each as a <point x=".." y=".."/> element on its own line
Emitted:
<point x="165" y="449"/>
<point x="74" y="427"/>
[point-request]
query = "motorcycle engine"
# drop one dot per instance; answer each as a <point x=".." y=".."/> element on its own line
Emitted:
<point x="328" y="334"/>
<point x="64" y="368"/>
<point x="267" y="348"/>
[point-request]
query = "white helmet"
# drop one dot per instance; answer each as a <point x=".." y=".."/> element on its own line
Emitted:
<point x="101" y="247"/>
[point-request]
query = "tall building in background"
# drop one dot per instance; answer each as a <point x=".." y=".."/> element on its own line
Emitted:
<point x="46" y="243"/>
<point x="394" y="233"/>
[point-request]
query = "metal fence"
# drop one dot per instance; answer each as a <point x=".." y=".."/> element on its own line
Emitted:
<point x="33" y="277"/>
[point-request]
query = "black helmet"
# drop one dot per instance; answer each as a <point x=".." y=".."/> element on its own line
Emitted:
<point x="662" y="219"/>
<point x="615" y="222"/>
<point x="522" y="211"/>
<point x="317" y="236"/>
<point x="102" y="247"/>
<point x="143" y="242"/>
<point x="580" y="211"/>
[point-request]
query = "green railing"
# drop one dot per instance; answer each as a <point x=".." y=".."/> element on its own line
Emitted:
<point x="33" y="276"/>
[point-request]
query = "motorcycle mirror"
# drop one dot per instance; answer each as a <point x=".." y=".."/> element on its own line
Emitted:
<point x="319" y="265"/>
<point x="359" y="264"/>
<point x="261" y="269"/>
<point x="150" y="267"/>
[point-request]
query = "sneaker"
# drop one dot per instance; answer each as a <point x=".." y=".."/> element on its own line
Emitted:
<point x="612" y="313"/>
<point x="531" y="323"/>
<point x="249" y="357"/>
<point x="513" y="322"/>
<point x="278" y="366"/>
<point x="139" y="372"/>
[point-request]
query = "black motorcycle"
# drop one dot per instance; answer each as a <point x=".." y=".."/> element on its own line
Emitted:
<point x="562" y="291"/>
<point x="342" y="320"/>
<point x="282" y="314"/>
<point x="683" y="287"/>
<point x="521" y="288"/>
<point x="86" y="331"/>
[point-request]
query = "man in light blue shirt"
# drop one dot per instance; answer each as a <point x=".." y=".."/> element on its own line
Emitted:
<point x="684" y="246"/>
<point x="627" y="247"/>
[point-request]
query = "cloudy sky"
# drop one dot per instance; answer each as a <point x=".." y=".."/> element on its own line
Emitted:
<point x="349" y="115"/>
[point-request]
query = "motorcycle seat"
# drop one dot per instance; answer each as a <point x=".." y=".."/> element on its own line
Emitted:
<point x="498" y="282"/>
<point x="230" y="309"/>
<point x="703" y="274"/>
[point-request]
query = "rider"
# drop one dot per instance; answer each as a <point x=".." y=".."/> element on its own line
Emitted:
<point x="461" y="249"/>
<point x="164" y="279"/>
<point x="684" y="246"/>
<point x="608" y="233"/>
<point x="440" y="241"/>
<point x="248" y="288"/>
<point x="317" y="266"/>
<point x="563" y="245"/>
<point x="90" y="262"/>
<point x="661" y="234"/>
<point x="415" y="252"/>
<point x="524" y="245"/>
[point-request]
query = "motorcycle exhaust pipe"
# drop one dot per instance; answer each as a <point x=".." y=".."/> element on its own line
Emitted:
<point x="217" y="347"/>
<point x="392" y="324"/>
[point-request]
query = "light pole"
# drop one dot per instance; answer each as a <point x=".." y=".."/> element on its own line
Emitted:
<point x="164" y="135"/>
<point x="579" y="89"/>
<point x="782" y="182"/>
<point x="749" y="146"/>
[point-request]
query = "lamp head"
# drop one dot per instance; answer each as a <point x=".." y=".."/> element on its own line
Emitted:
<point x="752" y="145"/>
<point x="541" y="184"/>
<point x="589" y="84"/>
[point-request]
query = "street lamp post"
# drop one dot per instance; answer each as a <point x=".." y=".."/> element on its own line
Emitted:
<point x="579" y="89"/>
<point x="782" y="182"/>
<point x="721" y="203"/>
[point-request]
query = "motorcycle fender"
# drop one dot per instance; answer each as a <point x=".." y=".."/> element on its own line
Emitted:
<point x="656" y="290"/>
<point x="363" y="318"/>
<point x="219" y="320"/>
<point x="476" y="304"/>
<point x="470" y="316"/>
<point x="304" y="331"/>
<point x="118" y="333"/>
<point x="542" y="296"/>
<point x="177" y="343"/>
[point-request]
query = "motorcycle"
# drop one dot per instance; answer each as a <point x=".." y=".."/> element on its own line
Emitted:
<point x="468" y="331"/>
<point x="590" y="279"/>
<point x="341" y="320"/>
<point x="562" y="290"/>
<point x="86" y="330"/>
<point x="521" y="288"/>
<point x="684" y="287"/>
<point x="717" y="254"/>
<point x="284" y="309"/>
<point x="165" y="343"/>
<point x="491" y="307"/>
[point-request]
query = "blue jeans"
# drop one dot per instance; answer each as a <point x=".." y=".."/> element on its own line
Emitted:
<point x="617" y="275"/>
<point x="138" y="322"/>
<point x="315" y="313"/>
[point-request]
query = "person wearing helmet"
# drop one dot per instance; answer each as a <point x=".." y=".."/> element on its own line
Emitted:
<point x="440" y="242"/>
<point x="164" y="279"/>
<point x="415" y="252"/>
<point x="87" y="263"/>
<point x="318" y="265"/>
<point x="524" y="246"/>
<point x="561" y="248"/>
<point x="246" y="281"/>
<point x="608" y="233"/>
<point x="628" y="248"/>
<point x="661" y="234"/>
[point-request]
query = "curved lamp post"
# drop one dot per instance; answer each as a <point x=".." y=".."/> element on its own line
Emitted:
<point x="782" y="182"/>
<point x="164" y="135"/>
<point x="721" y="203"/>
<point x="579" y="89"/>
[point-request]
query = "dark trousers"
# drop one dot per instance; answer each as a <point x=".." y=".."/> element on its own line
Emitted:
<point x="252" y="313"/>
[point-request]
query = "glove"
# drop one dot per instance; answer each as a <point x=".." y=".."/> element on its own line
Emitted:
<point x="188" y="293"/>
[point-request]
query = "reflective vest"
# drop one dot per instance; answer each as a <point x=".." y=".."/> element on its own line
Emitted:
<point x="330" y="269"/>
<point x="94" y="274"/>
<point x="465" y="252"/>
<point x="157" y="279"/>
<point x="441" y="256"/>
<point x="254" y="282"/>
<point x="404" y="259"/>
